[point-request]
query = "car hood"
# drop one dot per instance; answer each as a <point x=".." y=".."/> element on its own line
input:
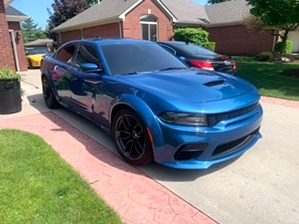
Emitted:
<point x="192" y="85"/>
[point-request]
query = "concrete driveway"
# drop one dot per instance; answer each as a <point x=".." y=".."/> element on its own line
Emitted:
<point x="261" y="186"/>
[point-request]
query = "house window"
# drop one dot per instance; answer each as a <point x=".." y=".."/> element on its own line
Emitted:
<point x="148" y="27"/>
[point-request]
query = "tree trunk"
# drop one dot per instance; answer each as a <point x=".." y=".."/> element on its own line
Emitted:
<point x="284" y="41"/>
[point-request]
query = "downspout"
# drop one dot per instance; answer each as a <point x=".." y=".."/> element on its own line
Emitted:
<point x="14" y="48"/>
<point x="120" y="29"/>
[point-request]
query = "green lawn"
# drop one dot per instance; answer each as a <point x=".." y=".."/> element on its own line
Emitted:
<point x="37" y="186"/>
<point x="265" y="76"/>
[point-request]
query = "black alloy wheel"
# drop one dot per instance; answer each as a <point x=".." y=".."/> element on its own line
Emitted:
<point x="131" y="138"/>
<point x="48" y="94"/>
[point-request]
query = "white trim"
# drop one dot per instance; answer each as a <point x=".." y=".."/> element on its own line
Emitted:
<point x="123" y="15"/>
<point x="11" y="18"/>
<point x="223" y="24"/>
<point x="87" y="25"/>
<point x="7" y="2"/>
<point x="174" y="20"/>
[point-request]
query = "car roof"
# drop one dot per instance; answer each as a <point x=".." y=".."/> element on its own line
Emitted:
<point x="103" y="41"/>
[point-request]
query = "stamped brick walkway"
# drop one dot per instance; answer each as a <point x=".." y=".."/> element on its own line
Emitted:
<point x="137" y="198"/>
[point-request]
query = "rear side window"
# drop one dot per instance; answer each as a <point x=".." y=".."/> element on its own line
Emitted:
<point x="194" y="49"/>
<point x="66" y="54"/>
<point x="172" y="51"/>
<point x="87" y="54"/>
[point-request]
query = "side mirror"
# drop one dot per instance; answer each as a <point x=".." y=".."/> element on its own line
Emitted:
<point x="90" y="67"/>
<point x="183" y="59"/>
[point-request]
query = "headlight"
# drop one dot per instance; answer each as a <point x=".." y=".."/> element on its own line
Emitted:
<point x="184" y="118"/>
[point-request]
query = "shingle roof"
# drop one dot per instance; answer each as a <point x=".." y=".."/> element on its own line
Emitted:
<point x="107" y="9"/>
<point x="38" y="42"/>
<point x="185" y="12"/>
<point x="11" y="11"/>
<point x="227" y="12"/>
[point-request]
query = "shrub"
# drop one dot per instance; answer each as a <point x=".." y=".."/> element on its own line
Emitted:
<point x="264" y="56"/>
<point x="288" y="47"/>
<point x="211" y="46"/>
<point x="192" y="35"/>
<point x="7" y="73"/>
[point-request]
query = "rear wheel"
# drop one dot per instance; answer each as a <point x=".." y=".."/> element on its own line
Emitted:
<point x="48" y="94"/>
<point x="30" y="64"/>
<point x="131" y="138"/>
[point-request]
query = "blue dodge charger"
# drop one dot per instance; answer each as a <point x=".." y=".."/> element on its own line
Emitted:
<point x="153" y="105"/>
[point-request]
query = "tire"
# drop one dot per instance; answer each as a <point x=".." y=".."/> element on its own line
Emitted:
<point x="30" y="64"/>
<point x="131" y="138"/>
<point x="48" y="94"/>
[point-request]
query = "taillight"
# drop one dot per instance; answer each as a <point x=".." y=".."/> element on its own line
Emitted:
<point x="202" y="64"/>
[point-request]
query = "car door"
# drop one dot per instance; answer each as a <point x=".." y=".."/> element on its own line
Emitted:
<point x="86" y="85"/>
<point x="60" y="72"/>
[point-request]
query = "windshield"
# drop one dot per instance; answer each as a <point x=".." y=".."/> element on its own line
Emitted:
<point x="37" y="51"/>
<point x="137" y="57"/>
<point x="194" y="49"/>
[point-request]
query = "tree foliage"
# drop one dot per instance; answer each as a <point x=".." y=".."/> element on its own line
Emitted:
<point x="64" y="10"/>
<point x="216" y="1"/>
<point x="279" y="16"/>
<point x="31" y="31"/>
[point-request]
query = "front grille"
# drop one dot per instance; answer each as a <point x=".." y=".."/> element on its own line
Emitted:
<point x="230" y="147"/>
<point x="213" y="119"/>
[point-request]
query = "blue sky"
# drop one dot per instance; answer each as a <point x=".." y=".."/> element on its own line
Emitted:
<point x="37" y="9"/>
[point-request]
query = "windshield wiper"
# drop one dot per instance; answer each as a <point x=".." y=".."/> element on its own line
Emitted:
<point x="172" y="68"/>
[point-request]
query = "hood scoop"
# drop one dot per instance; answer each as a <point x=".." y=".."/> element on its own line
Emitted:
<point x="215" y="83"/>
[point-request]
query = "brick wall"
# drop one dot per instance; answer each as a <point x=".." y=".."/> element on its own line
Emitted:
<point x="239" y="40"/>
<point x="69" y="35"/>
<point x="107" y="30"/>
<point x="19" y="45"/>
<point x="131" y="25"/>
<point x="6" y="54"/>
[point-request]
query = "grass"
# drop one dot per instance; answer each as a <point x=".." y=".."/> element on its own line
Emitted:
<point x="37" y="186"/>
<point x="265" y="76"/>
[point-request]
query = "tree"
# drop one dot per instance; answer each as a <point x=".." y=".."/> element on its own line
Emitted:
<point x="279" y="16"/>
<point x="216" y="1"/>
<point x="31" y="31"/>
<point x="64" y="10"/>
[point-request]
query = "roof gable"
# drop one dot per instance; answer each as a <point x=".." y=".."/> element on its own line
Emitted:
<point x="103" y="11"/>
<point x="14" y="15"/>
<point x="187" y="11"/>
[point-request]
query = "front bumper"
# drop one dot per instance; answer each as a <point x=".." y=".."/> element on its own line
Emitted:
<point x="224" y="141"/>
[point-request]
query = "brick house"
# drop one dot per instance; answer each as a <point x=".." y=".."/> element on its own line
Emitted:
<point x="157" y="19"/>
<point x="12" y="53"/>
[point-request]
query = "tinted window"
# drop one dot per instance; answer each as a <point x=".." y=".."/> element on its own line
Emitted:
<point x="87" y="54"/>
<point x="194" y="49"/>
<point x="66" y="54"/>
<point x="36" y="51"/>
<point x="138" y="57"/>
<point x="172" y="51"/>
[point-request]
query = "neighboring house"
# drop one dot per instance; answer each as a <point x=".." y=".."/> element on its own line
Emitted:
<point x="40" y="43"/>
<point x="157" y="19"/>
<point x="12" y="53"/>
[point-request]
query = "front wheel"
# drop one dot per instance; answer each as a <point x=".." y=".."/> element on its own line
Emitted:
<point x="48" y="94"/>
<point x="131" y="138"/>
